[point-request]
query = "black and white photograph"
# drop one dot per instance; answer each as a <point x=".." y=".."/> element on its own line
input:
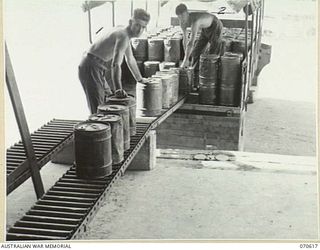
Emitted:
<point x="160" y="120"/>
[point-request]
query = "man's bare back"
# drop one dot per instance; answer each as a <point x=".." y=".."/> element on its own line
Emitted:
<point x="202" y="19"/>
<point x="112" y="47"/>
<point x="104" y="46"/>
<point x="209" y="25"/>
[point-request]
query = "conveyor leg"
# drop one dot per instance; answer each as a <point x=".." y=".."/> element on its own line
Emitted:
<point x="65" y="155"/>
<point x="146" y="156"/>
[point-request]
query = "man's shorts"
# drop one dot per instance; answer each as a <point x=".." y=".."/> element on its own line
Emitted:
<point x="93" y="74"/>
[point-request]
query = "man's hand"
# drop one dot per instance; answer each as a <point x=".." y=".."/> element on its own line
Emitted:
<point x="143" y="80"/>
<point x="120" y="93"/>
<point x="184" y="64"/>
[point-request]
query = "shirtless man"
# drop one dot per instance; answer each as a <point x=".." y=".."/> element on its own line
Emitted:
<point x="211" y="33"/>
<point x="106" y="55"/>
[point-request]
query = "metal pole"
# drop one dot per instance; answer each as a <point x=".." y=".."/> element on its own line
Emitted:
<point x="146" y="10"/>
<point x="251" y="48"/>
<point x="23" y="126"/>
<point x="256" y="24"/>
<point x="113" y="18"/>
<point x="260" y="24"/>
<point x="159" y="6"/>
<point x="246" y="34"/>
<point x="131" y="7"/>
<point x="246" y="87"/>
<point x="89" y="22"/>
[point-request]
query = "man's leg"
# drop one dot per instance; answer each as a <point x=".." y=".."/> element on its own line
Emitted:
<point x="199" y="48"/>
<point x="93" y="81"/>
<point x="216" y="38"/>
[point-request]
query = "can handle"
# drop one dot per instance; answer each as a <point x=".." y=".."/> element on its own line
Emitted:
<point x="229" y="112"/>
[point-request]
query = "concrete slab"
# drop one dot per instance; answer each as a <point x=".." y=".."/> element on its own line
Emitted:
<point x="187" y="199"/>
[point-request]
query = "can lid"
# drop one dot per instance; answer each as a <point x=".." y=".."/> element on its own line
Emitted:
<point x="156" y="39"/>
<point x="111" y="107"/>
<point x="230" y="54"/>
<point x="209" y="56"/>
<point x="164" y="71"/>
<point x="171" y="38"/>
<point x="139" y="38"/>
<point x="231" y="58"/>
<point x="162" y="76"/>
<point x="104" y="118"/>
<point x="91" y="126"/>
<point x="151" y="62"/>
<point x="222" y="157"/>
<point x="169" y="63"/>
<point x="155" y="80"/>
<point x="118" y="99"/>
<point x="114" y="98"/>
<point x="184" y="70"/>
<point x="175" y="70"/>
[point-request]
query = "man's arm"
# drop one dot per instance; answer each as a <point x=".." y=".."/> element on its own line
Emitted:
<point x="190" y="44"/>
<point x="184" y="37"/>
<point x="118" y="53"/>
<point x="132" y="64"/>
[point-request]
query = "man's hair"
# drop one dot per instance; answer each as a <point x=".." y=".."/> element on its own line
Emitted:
<point x="181" y="8"/>
<point x="141" y="14"/>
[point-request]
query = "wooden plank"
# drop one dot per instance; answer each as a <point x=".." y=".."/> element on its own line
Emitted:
<point x="43" y="225"/>
<point x="40" y="231"/>
<point x="50" y="219"/>
<point x="31" y="224"/>
<point x="60" y="209"/>
<point x="18" y="236"/>
<point x="228" y="111"/>
<point x="23" y="126"/>
<point x="232" y="23"/>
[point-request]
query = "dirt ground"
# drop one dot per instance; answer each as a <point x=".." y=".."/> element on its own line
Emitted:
<point x="282" y="120"/>
<point x="181" y="199"/>
<point x="281" y="127"/>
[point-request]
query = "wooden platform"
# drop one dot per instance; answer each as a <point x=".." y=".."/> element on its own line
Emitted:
<point x="246" y="161"/>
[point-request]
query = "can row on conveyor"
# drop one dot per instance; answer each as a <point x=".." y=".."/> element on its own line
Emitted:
<point x="101" y="140"/>
<point x="66" y="208"/>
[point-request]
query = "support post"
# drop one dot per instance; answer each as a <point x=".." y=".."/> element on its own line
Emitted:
<point x="159" y="6"/>
<point x="146" y="156"/>
<point x="246" y="34"/>
<point x="113" y="20"/>
<point x="89" y="23"/>
<point x="23" y="126"/>
<point x="65" y="155"/>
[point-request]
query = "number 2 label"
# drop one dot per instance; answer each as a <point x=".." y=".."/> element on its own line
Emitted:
<point x="221" y="10"/>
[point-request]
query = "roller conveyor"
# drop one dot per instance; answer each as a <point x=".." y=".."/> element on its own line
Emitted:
<point x="47" y="141"/>
<point x="63" y="212"/>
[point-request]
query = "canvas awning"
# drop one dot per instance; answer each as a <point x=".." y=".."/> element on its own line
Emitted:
<point x="88" y="5"/>
<point x="236" y="5"/>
